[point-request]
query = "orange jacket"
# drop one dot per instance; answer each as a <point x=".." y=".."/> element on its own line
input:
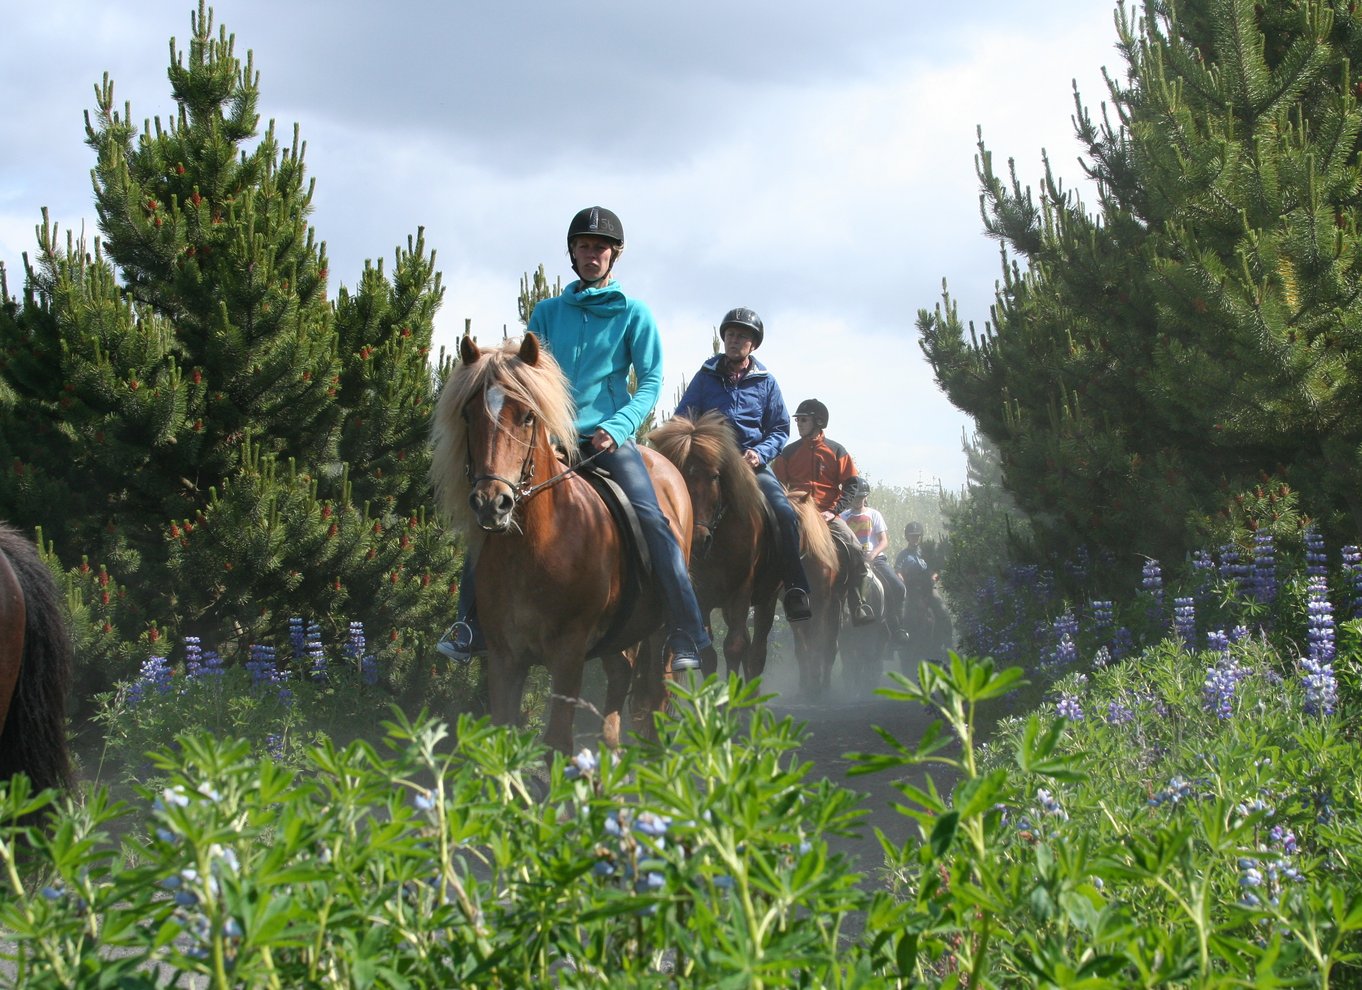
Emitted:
<point x="818" y="466"/>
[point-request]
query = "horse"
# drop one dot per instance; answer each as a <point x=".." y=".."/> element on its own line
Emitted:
<point x="35" y="667"/>
<point x="816" y="638"/>
<point x="930" y="630"/>
<point x="552" y="574"/>
<point x="864" y="648"/>
<point x="735" y="563"/>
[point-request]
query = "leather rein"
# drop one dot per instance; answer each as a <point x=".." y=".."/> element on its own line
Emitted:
<point x="521" y="490"/>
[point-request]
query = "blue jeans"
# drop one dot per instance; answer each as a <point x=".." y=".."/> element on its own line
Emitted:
<point x="626" y="467"/>
<point x="791" y="565"/>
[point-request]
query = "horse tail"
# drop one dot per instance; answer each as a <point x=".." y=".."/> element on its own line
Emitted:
<point x="815" y="540"/>
<point x="33" y="740"/>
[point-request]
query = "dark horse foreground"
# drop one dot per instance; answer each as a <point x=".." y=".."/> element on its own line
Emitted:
<point x="551" y="576"/>
<point x="734" y="561"/>
<point x="35" y="667"/>
<point x="816" y="638"/>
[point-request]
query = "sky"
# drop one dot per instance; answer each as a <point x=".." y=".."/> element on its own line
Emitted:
<point x="818" y="167"/>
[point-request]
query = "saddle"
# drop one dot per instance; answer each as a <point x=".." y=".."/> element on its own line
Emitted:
<point x="637" y="564"/>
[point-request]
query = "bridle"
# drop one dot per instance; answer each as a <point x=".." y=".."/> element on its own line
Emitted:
<point x="521" y="489"/>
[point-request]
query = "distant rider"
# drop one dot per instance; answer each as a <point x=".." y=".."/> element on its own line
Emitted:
<point x="737" y="385"/>
<point x="821" y="467"/>
<point x="873" y="536"/>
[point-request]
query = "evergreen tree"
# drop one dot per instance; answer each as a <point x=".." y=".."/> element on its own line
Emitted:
<point x="184" y="407"/>
<point x="1197" y="336"/>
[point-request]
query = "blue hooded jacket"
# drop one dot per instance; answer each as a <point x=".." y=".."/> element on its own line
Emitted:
<point x="753" y="405"/>
<point x="595" y="335"/>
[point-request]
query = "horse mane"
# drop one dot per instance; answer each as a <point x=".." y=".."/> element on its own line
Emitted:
<point x="541" y="386"/>
<point x="710" y="439"/>
<point x="814" y="536"/>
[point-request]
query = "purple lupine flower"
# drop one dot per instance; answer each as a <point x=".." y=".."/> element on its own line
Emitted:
<point x="1264" y="576"/>
<point x="1316" y="560"/>
<point x="1321" y="688"/>
<point x="1218" y="642"/>
<point x="1069" y="707"/>
<point x="1352" y="567"/>
<point x="1122" y="643"/>
<point x="1119" y="713"/>
<point x="1218" y="689"/>
<point x="1184" y="622"/>
<point x="154" y="674"/>
<point x="1151" y="579"/>
<point x="367" y="662"/>
<point x="316" y="654"/>
<point x="297" y="635"/>
<point x="1203" y="567"/>
<point x="1102" y="615"/>
<point x="1233" y="570"/>
<point x="261" y="665"/>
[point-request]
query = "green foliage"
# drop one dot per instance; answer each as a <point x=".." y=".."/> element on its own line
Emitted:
<point x="208" y="444"/>
<point x="1148" y="360"/>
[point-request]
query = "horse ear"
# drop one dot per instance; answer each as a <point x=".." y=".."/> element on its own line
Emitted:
<point x="529" y="349"/>
<point x="468" y="350"/>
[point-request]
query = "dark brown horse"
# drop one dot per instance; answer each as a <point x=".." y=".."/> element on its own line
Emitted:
<point x="734" y="564"/>
<point x="35" y="667"/>
<point x="551" y="576"/>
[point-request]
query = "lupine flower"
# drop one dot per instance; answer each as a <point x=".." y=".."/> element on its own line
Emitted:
<point x="1264" y="575"/>
<point x="1203" y="566"/>
<point x="1122" y="643"/>
<point x="581" y="765"/>
<point x="261" y="666"/>
<point x="316" y="653"/>
<point x="1321" y="688"/>
<point x="1218" y="690"/>
<point x="1316" y="560"/>
<point x="1176" y="792"/>
<point x="1233" y="570"/>
<point x="1151" y="579"/>
<point x="1050" y="805"/>
<point x="1119" y="713"/>
<point x="1184" y="622"/>
<point x="154" y="674"/>
<point x="297" y="635"/>
<point x="1352" y="567"/>
<point x="1103" y="615"/>
<point x="1069" y="707"/>
<point x="1102" y="657"/>
<point x="367" y="662"/>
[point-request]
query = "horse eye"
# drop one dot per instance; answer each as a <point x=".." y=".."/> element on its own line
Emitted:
<point x="528" y="420"/>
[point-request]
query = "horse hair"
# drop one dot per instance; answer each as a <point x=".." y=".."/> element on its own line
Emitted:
<point x="710" y="439"/>
<point x="34" y="737"/>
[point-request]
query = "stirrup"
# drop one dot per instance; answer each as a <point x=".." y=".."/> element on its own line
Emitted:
<point x="460" y="642"/>
<point x="862" y="615"/>
<point x="797" y="608"/>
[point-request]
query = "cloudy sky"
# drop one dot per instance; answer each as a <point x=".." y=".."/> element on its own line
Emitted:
<point x="814" y="164"/>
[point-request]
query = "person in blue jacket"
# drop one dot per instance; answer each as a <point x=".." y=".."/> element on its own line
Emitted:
<point x="737" y="385"/>
<point x="597" y="334"/>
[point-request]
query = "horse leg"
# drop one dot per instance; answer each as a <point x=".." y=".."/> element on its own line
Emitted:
<point x="709" y="657"/>
<point x="618" y="674"/>
<point x="648" y="694"/>
<point x="763" y="618"/>
<point x="737" y="641"/>
<point x="505" y="689"/>
<point x="565" y="674"/>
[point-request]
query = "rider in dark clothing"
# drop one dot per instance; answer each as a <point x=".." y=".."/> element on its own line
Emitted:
<point x="737" y="385"/>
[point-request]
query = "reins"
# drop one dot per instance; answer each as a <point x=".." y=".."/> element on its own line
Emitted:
<point x="520" y="492"/>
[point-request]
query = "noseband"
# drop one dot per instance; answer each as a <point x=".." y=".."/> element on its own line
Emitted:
<point x="521" y="489"/>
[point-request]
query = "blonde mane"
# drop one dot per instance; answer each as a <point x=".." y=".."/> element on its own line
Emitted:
<point x="710" y="439"/>
<point x="540" y="386"/>
<point x="815" y="539"/>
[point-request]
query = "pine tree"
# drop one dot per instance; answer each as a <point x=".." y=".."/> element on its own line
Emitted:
<point x="189" y="418"/>
<point x="1197" y="336"/>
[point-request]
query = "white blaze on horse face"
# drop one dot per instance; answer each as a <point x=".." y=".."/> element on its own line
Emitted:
<point x="495" y="399"/>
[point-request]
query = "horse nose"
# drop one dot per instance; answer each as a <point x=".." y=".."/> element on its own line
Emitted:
<point x="493" y="511"/>
<point x="704" y="540"/>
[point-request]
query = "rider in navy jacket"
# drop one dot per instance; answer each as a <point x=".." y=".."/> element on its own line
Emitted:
<point x="737" y="385"/>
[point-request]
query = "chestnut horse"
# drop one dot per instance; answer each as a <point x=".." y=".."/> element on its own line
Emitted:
<point x="735" y="558"/>
<point x="816" y="638"/>
<point x="551" y="577"/>
<point x="35" y="667"/>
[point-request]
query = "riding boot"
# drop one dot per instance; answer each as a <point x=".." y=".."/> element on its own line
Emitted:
<point x="862" y="613"/>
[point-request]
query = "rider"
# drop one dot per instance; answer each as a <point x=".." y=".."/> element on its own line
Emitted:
<point x="911" y="566"/>
<point x="737" y="385"/>
<point x="821" y="467"/>
<point x="873" y="535"/>
<point x="597" y="334"/>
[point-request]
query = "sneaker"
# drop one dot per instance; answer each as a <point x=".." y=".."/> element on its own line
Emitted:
<point x="863" y="615"/>
<point x="461" y="642"/>
<point x="797" y="605"/>
<point x="684" y="655"/>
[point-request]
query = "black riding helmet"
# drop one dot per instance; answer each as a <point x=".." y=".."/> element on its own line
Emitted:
<point x="856" y="486"/>
<point x="816" y="409"/>
<point x="912" y="529"/>
<point x="596" y="221"/>
<point x="748" y="320"/>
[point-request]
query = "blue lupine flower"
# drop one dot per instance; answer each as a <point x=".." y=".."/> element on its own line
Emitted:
<point x="1050" y="805"/>
<point x="1177" y="790"/>
<point x="1069" y="707"/>
<point x="1218" y="690"/>
<point x="1264" y="575"/>
<point x="1233" y="569"/>
<point x="316" y="653"/>
<point x="297" y="635"/>
<point x="1151" y="579"/>
<point x="1103" y="616"/>
<point x="154" y="674"/>
<point x="1184" y="622"/>
<point x="261" y="666"/>
<point x="1122" y="643"/>
<point x="1316" y="560"/>
<point x="1119" y="713"/>
<point x="1352" y="568"/>
<point x="1321" y="688"/>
